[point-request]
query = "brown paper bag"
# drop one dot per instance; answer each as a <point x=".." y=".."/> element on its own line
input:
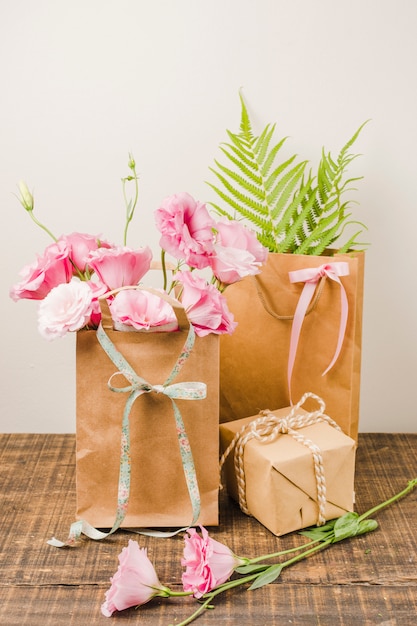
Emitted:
<point x="253" y="362"/>
<point x="158" y="491"/>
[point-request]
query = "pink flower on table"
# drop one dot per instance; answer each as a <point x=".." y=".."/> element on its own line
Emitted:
<point x="134" y="583"/>
<point x="119" y="267"/>
<point x="186" y="228"/>
<point x="206" y="308"/>
<point x="80" y="246"/>
<point x="208" y="562"/>
<point x="237" y="252"/>
<point x="66" y="308"/>
<point x="142" y="310"/>
<point x="49" y="270"/>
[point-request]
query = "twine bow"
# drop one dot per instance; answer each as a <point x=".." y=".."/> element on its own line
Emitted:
<point x="265" y="429"/>
<point x="137" y="387"/>
<point x="311" y="276"/>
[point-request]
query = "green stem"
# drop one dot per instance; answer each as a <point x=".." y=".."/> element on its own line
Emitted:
<point x="282" y="553"/>
<point x="164" y="268"/>
<point x="322" y="545"/>
<point x="246" y="579"/>
<point x="304" y="554"/>
<point x="130" y="208"/>
<point x="38" y="223"/>
<point x="177" y="594"/>
<point x="411" y="484"/>
<point x="209" y="597"/>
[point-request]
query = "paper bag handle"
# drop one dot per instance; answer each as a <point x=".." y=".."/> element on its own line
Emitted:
<point x="180" y="314"/>
<point x="277" y="316"/>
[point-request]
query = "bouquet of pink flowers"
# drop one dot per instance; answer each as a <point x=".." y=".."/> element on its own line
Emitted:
<point x="76" y="270"/>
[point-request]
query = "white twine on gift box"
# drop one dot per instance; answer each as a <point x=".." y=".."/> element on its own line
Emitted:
<point x="266" y="429"/>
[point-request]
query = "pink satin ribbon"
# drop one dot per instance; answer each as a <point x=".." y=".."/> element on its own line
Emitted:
<point x="311" y="276"/>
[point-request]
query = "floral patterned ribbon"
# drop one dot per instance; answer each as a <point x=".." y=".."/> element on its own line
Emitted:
<point x="310" y="277"/>
<point x="137" y="387"/>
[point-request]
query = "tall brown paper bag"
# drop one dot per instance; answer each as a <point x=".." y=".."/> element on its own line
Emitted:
<point x="254" y="360"/>
<point x="158" y="490"/>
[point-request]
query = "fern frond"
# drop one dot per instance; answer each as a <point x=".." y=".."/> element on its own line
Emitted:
<point x="251" y="186"/>
<point x="354" y="137"/>
<point x="284" y="188"/>
<point x="291" y="211"/>
<point x="242" y="147"/>
<point x="261" y="144"/>
<point x="322" y="228"/>
<point x="351" y="243"/>
<point x="249" y="172"/>
<point x="261" y="223"/>
<point x="272" y="179"/>
<point x="295" y="231"/>
<point x="240" y="198"/>
<point x="245" y="123"/>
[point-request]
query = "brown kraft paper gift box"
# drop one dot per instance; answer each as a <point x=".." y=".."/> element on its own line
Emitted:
<point x="281" y="489"/>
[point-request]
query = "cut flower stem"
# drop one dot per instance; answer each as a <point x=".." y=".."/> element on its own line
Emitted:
<point x="349" y="525"/>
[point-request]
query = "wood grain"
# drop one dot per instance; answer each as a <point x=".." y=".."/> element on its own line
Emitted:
<point x="367" y="580"/>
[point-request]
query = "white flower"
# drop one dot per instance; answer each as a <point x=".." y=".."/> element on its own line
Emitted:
<point x="66" y="308"/>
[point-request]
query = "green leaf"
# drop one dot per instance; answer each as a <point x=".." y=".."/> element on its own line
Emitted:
<point x="290" y="212"/>
<point x="250" y="186"/>
<point x="346" y="526"/>
<point x="249" y="172"/>
<point x="367" y="525"/>
<point x="268" y="576"/>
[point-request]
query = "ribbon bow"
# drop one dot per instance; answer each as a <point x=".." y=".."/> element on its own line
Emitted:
<point x="177" y="391"/>
<point x="265" y="429"/>
<point x="137" y="387"/>
<point x="311" y="276"/>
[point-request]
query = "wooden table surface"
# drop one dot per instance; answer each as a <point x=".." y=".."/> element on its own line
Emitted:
<point x="370" y="579"/>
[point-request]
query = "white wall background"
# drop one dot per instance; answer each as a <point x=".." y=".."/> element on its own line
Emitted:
<point x="85" y="82"/>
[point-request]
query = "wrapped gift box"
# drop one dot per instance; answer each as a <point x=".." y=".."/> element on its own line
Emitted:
<point x="280" y="481"/>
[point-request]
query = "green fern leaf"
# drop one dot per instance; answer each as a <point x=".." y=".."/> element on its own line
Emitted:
<point x="283" y="190"/>
<point x="261" y="144"/>
<point x="236" y="198"/>
<point x="251" y="186"/>
<point x="290" y="212"/>
<point x="249" y="172"/>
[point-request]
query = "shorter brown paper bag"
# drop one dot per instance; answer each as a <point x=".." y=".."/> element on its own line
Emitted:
<point x="158" y="492"/>
<point x="281" y="489"/>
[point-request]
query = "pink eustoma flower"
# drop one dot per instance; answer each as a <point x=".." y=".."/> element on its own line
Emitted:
<point x="237" y="252"/>
<point x="142" y="310"/>
<point x="81" y="245"/>
<point x="119" y="267"/>
<point x="186" y="228"/>
<point x="208" y="562"/>
<point x="206" y="308"/>
<point x="98" y="289"/>
<point x="66" y="308"/>
<point x="49" y="270"/>
<point x="134" y="583"/>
